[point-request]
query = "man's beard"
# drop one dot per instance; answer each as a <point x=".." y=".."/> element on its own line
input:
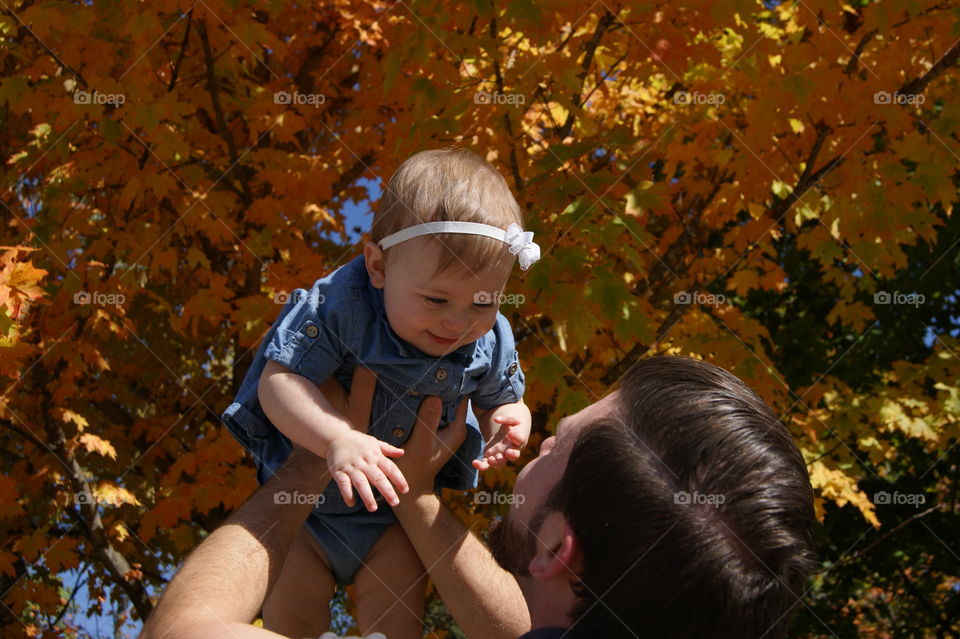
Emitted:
<point x="513" y="545"/>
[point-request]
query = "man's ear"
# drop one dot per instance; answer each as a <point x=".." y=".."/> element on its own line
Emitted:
<point x="376" y="263"/>
<point x="558" y="550"/>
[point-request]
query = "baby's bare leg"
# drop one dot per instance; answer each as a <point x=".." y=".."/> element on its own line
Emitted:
<point x="299" y="604"/>
<point x="390" y="588"/>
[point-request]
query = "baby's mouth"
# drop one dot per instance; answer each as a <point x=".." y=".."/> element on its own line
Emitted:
<point x="441" y="340"/>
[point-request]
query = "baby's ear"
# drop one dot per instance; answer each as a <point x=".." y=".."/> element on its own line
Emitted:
<point x="375" y="262"/>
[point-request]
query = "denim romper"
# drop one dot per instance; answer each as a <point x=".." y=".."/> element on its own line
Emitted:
<point x="326" y="331"/>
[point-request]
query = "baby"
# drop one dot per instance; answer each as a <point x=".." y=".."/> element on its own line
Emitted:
<point x="420" y="309"/>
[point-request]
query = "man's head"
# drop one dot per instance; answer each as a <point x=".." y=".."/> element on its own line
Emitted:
<point x="677" y="506"/>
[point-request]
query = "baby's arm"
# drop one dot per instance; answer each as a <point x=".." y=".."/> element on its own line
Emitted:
<point x="304" y="415"/>
<point x="506" y="430"/>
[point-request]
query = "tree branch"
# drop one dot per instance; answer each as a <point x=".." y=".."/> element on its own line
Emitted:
<point x="183" y="50"/>
<point x="591" y="49"/>
<point x="53" y="55"/>
<point x="76" y="587"/>
<point x="221" y="121"/>
<point x="518" y="182"/>
<point x="886" y="535"/>
<point x="917" y="85"/>
<point x="855" y="59"/>
<point x="108" y="556"/>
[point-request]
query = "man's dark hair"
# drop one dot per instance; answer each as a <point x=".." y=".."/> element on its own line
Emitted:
<point x="694" y="510"/>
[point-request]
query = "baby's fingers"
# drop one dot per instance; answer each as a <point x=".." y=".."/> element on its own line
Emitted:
<point x="390" y="451"/>
<point x="346" y="488"/>
<point x="481" y="464"/>
<point x="495" y="449"/>
<point x="381" y="483"/>
<point x="517" y="437"/>
<point x="363" y="489"/>
<point x="394" y="475"/>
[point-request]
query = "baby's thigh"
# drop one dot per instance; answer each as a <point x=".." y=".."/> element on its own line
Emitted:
<point x="390" y="587"/>
<point x="299" y="603"/>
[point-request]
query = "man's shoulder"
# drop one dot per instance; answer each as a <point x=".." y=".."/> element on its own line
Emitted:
<point x="550" y="633"/>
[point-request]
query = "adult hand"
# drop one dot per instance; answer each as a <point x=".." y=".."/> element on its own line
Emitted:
<point x="376" y="468"/>
<point x="354" y="407"/>
<point x="428" y="449"/>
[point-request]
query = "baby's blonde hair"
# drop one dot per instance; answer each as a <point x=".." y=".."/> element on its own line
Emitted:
<point x="445" y="185"/>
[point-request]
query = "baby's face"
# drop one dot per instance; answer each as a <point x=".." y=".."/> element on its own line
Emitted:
<point x="437" y="314"/>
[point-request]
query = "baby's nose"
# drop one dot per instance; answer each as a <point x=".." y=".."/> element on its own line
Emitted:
<point x="457" y="323"/>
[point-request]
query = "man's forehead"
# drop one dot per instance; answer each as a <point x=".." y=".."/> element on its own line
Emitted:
<point x="573" y="424"/>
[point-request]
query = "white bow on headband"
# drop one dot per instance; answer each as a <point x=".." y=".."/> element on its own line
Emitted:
<point x="520" y="242"/>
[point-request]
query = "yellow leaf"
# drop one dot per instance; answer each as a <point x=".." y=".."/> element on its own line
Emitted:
<point x="94" y="444"/>
<point x="893" y="416"/>
<point x="24" y="277"/>
<point x="841" y="488"/>
<point x="68" y="416"/>
<point x="120" y="532"/>
<point x="108" y="493"/>
<point x="558" y="113"/>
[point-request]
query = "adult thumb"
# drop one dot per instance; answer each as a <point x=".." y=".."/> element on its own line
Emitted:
<point x="428" y="425"/>
<point x="456" y="431"/>
<point x="428" y="417"/>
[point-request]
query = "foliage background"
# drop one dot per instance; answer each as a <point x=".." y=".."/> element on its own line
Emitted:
<point x="720" y="179"/>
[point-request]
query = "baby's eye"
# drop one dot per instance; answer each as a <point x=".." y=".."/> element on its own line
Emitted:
<point x="435" y="300"/>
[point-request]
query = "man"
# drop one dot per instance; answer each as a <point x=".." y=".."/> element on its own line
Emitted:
<point x="676" y="506"/>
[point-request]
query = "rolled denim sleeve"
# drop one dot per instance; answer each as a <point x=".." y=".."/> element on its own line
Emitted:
<point x="312" y="335"/>
<point x="504" y="382"/>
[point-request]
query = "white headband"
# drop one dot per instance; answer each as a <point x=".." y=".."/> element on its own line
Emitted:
<point x="520" y="241"/>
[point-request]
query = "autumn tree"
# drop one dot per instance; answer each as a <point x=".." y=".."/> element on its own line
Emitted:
<point x="764" y="185"/>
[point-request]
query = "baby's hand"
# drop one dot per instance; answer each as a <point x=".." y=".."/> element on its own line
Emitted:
<point x="514" y="420"/>
<point x="357" y="460"/>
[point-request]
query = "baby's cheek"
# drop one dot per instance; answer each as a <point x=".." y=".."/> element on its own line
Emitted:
<point x="489" y="323"/>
